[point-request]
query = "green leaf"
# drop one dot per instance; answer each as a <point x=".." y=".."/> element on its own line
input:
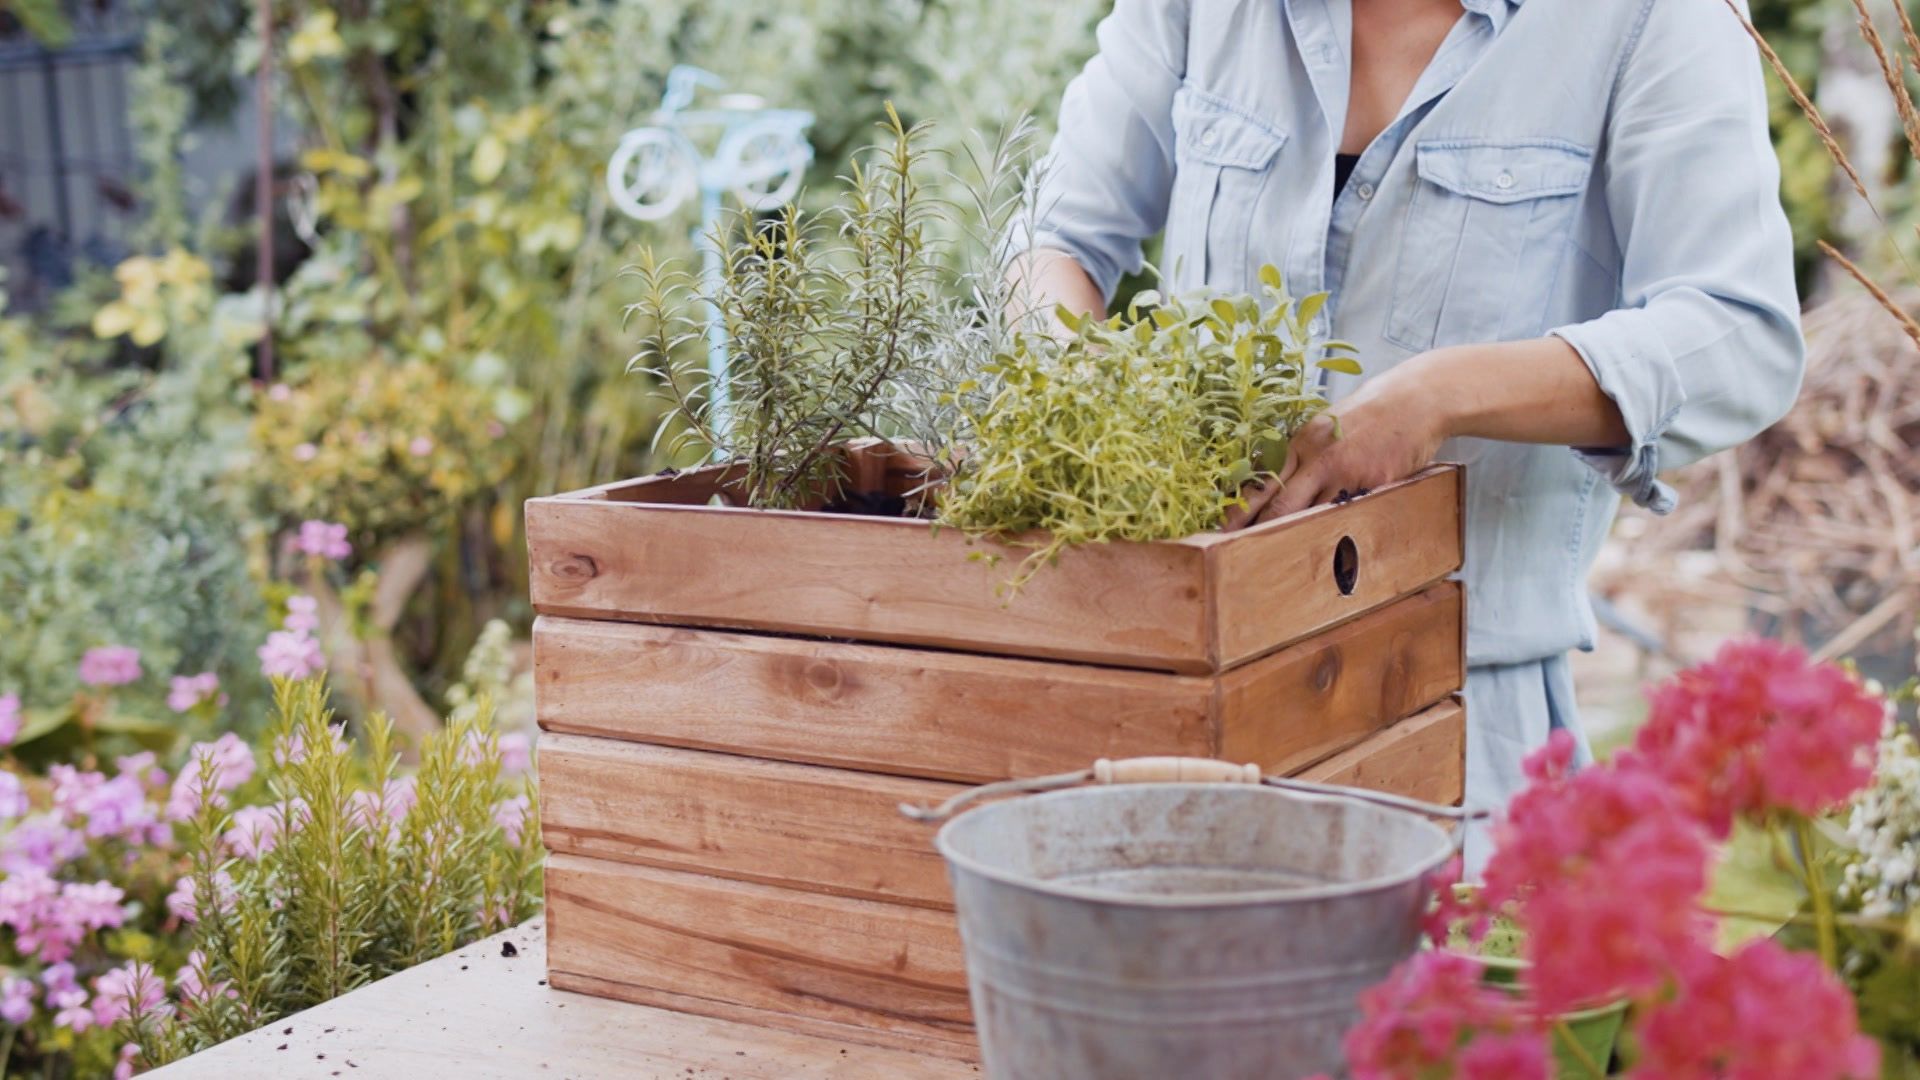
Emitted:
<point x="1310" y="307"/>
<point x="1068" y="319"/>
<point x="1346" y="365"/>
<point x="1270" y="277"/>
<point x="1224" y="311"/>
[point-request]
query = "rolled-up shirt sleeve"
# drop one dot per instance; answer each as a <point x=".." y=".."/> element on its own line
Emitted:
<point x="1706" y="350"/>
<point x="1105" y="182"/>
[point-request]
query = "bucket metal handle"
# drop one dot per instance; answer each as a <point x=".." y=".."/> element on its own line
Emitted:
<point x="1156" y="770"/>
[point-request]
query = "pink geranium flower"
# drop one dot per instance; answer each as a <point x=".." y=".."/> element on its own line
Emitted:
<point x="1760" y="727"/>
<point x="1605" y="872"/>
<point x="1762" y="1014"/>
<point x="1434" y="1019"/>
<point x="110" y="665"/>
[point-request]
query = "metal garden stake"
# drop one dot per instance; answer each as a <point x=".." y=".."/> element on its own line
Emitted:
<point x="736" y="146"/>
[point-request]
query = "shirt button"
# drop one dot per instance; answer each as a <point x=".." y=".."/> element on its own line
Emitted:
<point x="1503" y="181"/>
<point x="1365" y="191"/>
<point x="1209" y="137"/>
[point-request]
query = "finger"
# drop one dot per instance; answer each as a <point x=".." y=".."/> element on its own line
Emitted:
<point x="1257" y="495"/>
<point x="1299" y="493"/>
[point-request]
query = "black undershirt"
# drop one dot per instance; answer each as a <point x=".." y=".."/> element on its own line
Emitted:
<point x="1343" y="171"/>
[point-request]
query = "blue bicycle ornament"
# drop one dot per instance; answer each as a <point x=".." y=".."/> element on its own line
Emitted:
<point x="735" y="146"/>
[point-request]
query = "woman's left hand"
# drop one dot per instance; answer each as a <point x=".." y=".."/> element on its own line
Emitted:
<point x="1386" y="431"/>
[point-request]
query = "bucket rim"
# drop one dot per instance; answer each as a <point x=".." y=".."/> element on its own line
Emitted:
<point x="1444" y="850"/>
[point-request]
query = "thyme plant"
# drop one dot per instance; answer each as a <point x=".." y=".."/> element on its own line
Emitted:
<point x="1143" y="426"/>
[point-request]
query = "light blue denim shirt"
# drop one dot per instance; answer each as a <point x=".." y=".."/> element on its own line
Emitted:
<point x="1595" y="169"/>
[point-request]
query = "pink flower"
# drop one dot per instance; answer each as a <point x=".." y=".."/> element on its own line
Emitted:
<point x="1762" y="1014"/>
<point x="381" y="815"/>
<point x="184" y="900"/>
<point x="41" y="843"/>
<point x="511" y="816"/>
<point x="73" y="1013"/>
<point x="516" y="752"/>
<point x="279" y="392"/>
<point x="224" y="764"/>
<point x="1606" y="871"/>
<point x="110" y="665"/>
<point x="104" y="808"/>
<point x="129" y="990"/>
<point x="293" y="749"/>
<point x="323" y="540"/>
<point x="421" y="446"/>
<point x="50" y="919"/>
<point x="191" y="980"/>
<point x="16" y="1000"/>
<point x="303" y="614"/>
<point x="291" y="654"/>
<point x="1433" y="1019"/>
<point x="306" y="451"/>
<point x="186" y="691"/>
<point x="123" y="1069"/>
<point x="1758" y="728"/>
<point x="13" y="796"/>
<point x="9" y="718"/>
<point x="254" y="832"/>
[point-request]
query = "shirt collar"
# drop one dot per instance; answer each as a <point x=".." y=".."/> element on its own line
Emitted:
<point x="1496" y="11"/>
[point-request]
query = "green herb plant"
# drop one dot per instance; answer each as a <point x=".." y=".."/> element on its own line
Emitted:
<point x="841" y="325"/>
<point x="376" y="872"/>
<point x="1143" y="426"/>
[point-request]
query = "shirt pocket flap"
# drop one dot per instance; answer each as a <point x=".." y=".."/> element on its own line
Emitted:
<point x="1216" y="133"/>
<point x="1505" y="172"/>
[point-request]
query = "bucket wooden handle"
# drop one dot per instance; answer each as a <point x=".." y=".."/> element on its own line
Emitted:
<point x="1173" y="770"/>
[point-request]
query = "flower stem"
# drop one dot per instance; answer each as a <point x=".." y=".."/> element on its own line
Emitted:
<point x="1563" y="1032"/>
<point x="1817" y="892"/>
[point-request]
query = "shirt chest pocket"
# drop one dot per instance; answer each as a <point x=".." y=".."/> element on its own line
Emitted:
<point x="1487" y="231"/>
<point x="1222" y="160"/>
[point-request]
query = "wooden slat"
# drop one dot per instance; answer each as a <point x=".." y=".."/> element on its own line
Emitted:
<point x="1275" y="583"/>
<point x="1422" y="757"/>
<point x="914" y="712"/>
<point x="885" y="974"/>
<point x="873" y="579"/>
<point x="1316" y="698"/>
<point x="803" y="826"/>
<point x="954" y="716"/>
<point x="1197" y="605"/>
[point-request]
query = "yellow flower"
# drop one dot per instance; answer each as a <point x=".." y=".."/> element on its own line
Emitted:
<point x="316" y="39"/>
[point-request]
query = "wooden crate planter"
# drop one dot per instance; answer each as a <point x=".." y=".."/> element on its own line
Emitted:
<point x="735" y="701"/>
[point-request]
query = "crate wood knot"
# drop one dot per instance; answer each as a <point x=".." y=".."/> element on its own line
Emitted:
<point x="1326" y="670"/>
<point x="574" y="568"/>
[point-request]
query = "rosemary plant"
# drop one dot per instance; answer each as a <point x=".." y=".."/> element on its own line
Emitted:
<point x="350" y="874"/>
<point x="841" y="325"/>
<point x="1144" y="426"/>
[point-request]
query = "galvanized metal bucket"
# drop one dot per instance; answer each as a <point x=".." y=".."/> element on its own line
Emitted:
<point x="1187" y="929"/>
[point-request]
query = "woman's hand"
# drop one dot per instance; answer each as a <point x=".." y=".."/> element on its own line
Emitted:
<point x="1388" y="430"/>
<point x="1536" y="391"/>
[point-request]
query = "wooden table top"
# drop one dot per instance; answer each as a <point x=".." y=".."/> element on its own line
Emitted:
<point x="478" y="1013"/>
